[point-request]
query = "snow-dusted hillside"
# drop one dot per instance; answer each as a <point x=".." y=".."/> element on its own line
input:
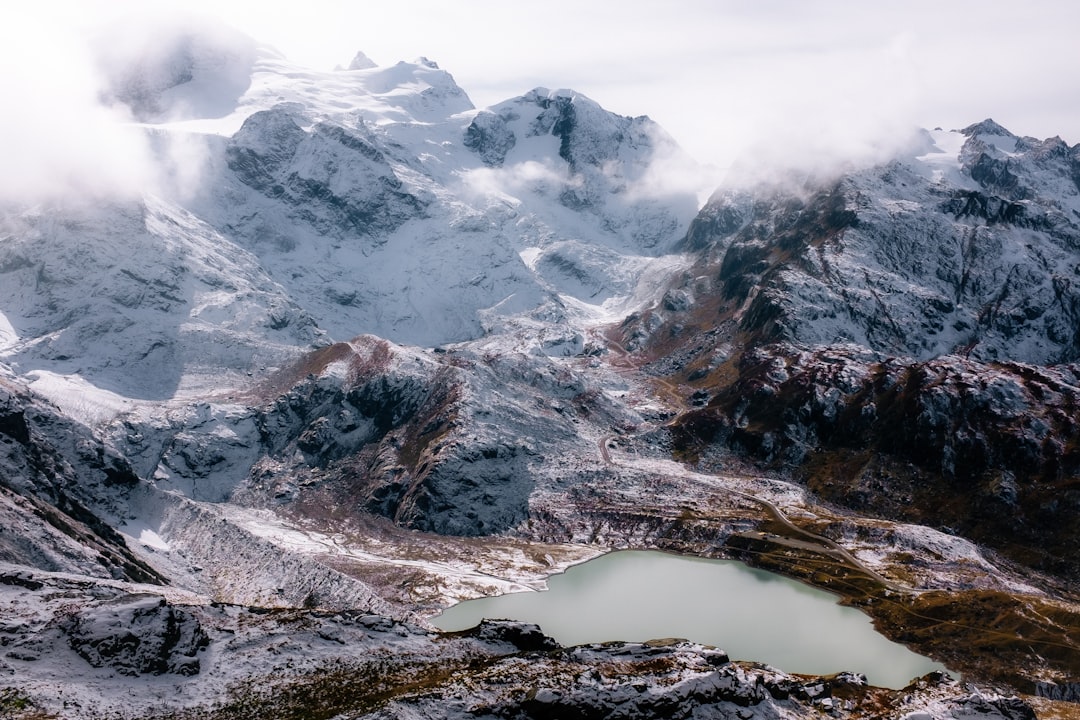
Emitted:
<point x="140" y="299"/>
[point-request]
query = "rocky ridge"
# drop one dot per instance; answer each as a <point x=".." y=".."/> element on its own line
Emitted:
<point x="968" y="246"/>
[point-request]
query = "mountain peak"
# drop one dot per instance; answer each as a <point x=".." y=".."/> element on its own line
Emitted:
<point x="362" y="62"/>
<point x="986" y="127"/>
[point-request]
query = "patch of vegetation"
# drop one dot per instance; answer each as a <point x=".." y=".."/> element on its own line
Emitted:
<point x="313" y="363"/>
<point x="17" y="705"/>
<point x="433" y="421"/>
<point x="988" y="635"/>
<point x="327" y="692"/>
<point x="1054" y="709"/>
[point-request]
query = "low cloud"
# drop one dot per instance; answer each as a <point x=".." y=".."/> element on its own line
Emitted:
<point x="791" y="84"/>
<point x="516" y="180"/>
<point x="765" y="85"/>
<point x="57" y="138"/>
<point x="673" y="172"/>
<point x="81" y="79"/>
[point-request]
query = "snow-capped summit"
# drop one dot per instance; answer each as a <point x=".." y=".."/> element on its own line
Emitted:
<point x="986" y="127"/>
<point x="362" y="62"/>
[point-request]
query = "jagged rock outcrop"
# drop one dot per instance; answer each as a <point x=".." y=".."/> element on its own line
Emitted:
<point x="330" y="177"/>
<point x="56" y="478"/>
<point x="445" y="445"/>
<point x="489" y="135"/>
<point x="142" y="636"/>
<point x="974" y="251"/>
<point x="988" y="450"/>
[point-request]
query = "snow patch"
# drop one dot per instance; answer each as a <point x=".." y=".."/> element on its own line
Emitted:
<point x="142" y="533"/>
<point x="78" y="398"/>
<point x="943" y="161"/>
<point x="8" y="335"/>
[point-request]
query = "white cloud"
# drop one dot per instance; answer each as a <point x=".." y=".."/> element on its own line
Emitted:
<point x="66" y="131"/>
<point x="781" y="80"/>
<point x="511" y="182"/>
<point x="726" y="75"/>
<point x="56" y="137"/>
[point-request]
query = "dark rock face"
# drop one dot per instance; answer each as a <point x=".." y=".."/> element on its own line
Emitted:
<point x="490" y="137"/>
<point x="522" y="636"/>
<point x="905" y="264"/>
<point x="330" y="420"/>
<point x="992" y="451"/>
<point x="330" y="177"/>
<point x="54" y="475"/>
<point x="13" y="424"/>
<point x="144" y="636"/>
<point x="385" y="439"/>
<point x="1069" y="692"/>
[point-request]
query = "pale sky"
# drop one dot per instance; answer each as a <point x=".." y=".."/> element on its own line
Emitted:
<point x="724" y="77"/>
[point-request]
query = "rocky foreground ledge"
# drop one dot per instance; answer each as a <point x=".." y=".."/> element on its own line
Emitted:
<point x="677" y="679"/>
<point x="72" y="648"/>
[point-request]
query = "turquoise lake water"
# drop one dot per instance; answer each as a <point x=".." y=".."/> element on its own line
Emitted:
<point x="751" y="614"/>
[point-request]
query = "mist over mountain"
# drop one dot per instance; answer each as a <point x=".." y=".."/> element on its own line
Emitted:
<point x="325" y="352"/>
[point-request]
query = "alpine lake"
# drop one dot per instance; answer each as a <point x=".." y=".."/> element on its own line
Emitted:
<point x="635" y="595"/>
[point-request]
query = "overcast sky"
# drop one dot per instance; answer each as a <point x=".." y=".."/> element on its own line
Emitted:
<point x="723" y="76"/>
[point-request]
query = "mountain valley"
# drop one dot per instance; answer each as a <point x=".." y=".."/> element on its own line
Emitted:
<point x="364" y="351"/>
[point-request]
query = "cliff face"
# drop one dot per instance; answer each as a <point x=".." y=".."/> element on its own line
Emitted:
<point x="988" y="451"/>
<point x="54" y="478"/>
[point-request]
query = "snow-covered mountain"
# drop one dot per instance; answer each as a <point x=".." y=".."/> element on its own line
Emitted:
<point x="363" y="350"/>
<point x="321" y="206"/>
<point x="968" y="245"/>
